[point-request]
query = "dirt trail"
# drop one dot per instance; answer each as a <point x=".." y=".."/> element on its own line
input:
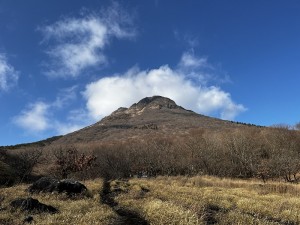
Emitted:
<point x="126" y="216"/>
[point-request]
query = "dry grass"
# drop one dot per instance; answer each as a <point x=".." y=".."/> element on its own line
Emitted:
<point x="171" y="200"/>
<point x="84" y="210"/>
<point x="208" y="200"/>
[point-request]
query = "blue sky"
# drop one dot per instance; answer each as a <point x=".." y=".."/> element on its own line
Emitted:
<point x="66" y="65"/>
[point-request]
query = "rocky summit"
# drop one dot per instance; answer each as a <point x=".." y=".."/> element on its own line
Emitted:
<point x="146" y="104"/>
<point x="156" y="102"/>
<point x="157" y="116"/>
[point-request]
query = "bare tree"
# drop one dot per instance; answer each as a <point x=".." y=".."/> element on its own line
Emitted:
<point x="70" y="161"/>
<point x="284" y="153"/>
<point x="28" y="160"/>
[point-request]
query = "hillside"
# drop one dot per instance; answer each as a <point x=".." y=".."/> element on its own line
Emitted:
<point x="157" y="137"/>
<point x="150" y="116"/>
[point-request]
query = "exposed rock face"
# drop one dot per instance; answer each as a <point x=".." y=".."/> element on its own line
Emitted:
<point x="146" y="104"/>
<point x="32" y="205"/>
<point x="156" y="102"/>
<point x="46" y="184"/>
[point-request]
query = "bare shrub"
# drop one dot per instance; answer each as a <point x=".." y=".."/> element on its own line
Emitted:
<point x="21" y="162"/>
<point x="245" y="152"/>
<point x="70" y="161"/>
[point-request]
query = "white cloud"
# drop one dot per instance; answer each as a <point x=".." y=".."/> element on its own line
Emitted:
<point x="65" y="96"/>
<point x="8" y="75"/>
<point x="34" y="118"/>
<point x="107" y="94"/>
<point x="65" y="128"/>
<point x="79" y="42"/>
<point x="213" y="99"/>
<point x="79" y="115"/>
<point x="40" y="116"/>
<point x="76" y="119"/>
<point x="199" y="69"/>
<point x="188" y="60"/>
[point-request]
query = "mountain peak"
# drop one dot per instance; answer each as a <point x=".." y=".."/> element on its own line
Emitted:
<point x="154" y="115"/>
<point x="155" y="102"/>
<point x="147" y="104"/>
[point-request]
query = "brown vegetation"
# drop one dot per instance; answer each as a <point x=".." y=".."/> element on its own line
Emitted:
<point x="210" y="200"/>
<point x="166" y="200"/>
<point x="165" y="140"/>
<point x="248" y="152"/>
<point x="76" y="211"/>
<point x="70" y="161"/>
<point x="268" y="153"/>
<point x="156" y="137"/>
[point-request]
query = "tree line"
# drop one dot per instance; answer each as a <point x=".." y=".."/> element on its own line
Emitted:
<point x="266" y="153"/>
<point x="249" y="152"/>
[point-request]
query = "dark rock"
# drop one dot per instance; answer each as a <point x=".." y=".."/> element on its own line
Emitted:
<point x="70" y="187"/>
<point x="28" y="219"/>
<point x="32" y="205"/>
<point x="46" y="184"/>
<point x="158" y="101"/>
<point x="145" y="190"/>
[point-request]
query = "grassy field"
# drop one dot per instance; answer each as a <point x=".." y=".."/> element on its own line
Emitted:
<point x="83" y="210"/>
<point x="209" y="200"/>
<point x="168" y="200"/>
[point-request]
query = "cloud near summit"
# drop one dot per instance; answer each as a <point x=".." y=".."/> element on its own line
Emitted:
<point x="107" y="94"/>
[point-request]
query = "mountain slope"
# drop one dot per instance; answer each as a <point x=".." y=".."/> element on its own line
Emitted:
<point x="155" y="115"/>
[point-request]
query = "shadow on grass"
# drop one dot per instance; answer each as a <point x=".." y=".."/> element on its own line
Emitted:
<point x="126" y="216"/>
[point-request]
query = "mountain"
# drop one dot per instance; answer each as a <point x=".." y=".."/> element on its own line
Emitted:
<point x="156" y="116"/>
<point x="158" y="137"/>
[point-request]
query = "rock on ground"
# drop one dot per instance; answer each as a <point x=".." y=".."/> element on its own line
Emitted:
<point x="32" y="205"/>
<point x="46" y="184"/>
